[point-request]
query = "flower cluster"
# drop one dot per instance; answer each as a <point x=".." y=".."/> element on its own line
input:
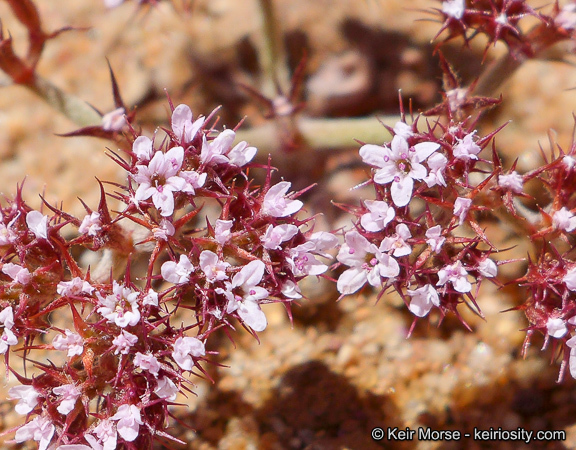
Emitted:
<point x="412" y="235"/>
<point x="249" y="249"/>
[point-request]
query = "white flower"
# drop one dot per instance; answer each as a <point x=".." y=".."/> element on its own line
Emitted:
<point x="185" y="349"/>
<point x="367" y="263"/>
<point x="275" y="235"/>
<point x="512" y="182"/>
<point x="454" y="8"/>
<point x="72" y="343"/>
<point x="466" y="148"/>
<point x="159" y="180"/>
<point x="147" y="362"/>
<point x="241" y="154"/>
<point x="114" y="120"/>
<point x="18" y="273"/>
<point x="76" y="286"/>
<point x="276" y="203"/>
<point x="437" y="163"/>
<point x="120" y="307"/>
<point x="222" y="229"/>
<point x="213" y="268"/>
<point x="183" y="126"/>
<point x="7" y="235"/>
<point x="7" y="317"/>
<point x="397" y="242"/>
<point x="69" y="394"/>
<point x="151" y="298"/>
<point x="40" y="429"/>
<point x="435" y="239"/>
<point x="378" y="216"/>
<point x="556" y="327"/>
<point x="403" y="130"/>
<point x="568" y="162"/>
<point x="488" y="268"/>
<point x="244" y="295"/>
<point x="91" y="224"/>
<point x="177" y="273"/>
<point x="571" y="343"/>
<point x="123" y="342"/>
<point x="291" y="290"/>
<point x="129" y="421"/>
<point x="570" y="279"/>
<point x="461" y="207"/>
<point x="27" y="398"/>
<point x="143" y="148"/>
<point x="455" y="274"/>
<point x="166" y="389"/>
<point x="422" y="300"/>
<point x="564" y="220"/>
<point x="38" y="224"/>
<point x="399" y="165"/>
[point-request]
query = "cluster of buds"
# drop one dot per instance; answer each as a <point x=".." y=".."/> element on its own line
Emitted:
<point x="419" y="235"/>
<point x="125" y="354"/>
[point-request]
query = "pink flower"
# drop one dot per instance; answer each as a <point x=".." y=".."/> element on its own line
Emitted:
<point x="556" y="327"/>
<point x="8" y="337"/>
<point x="222" y="232"/>
<point x="568" y="162"/>
<point x="91" y="224"/>
<point x="143" y="148"/>
<point x="422" y="300"/>
<point x="185" y="349"/>
<point x="214" y="152"/>
<point x="72" y="343"/>
<point x="123" y="342"/>
<point x="158" y="179"/>
<point x="147" y="362"/>
<point x="38" y="224"/>
<point x="213" y="268"/>
<point x="466" y="148"/>
<point x="275" y="235"/>
<point x="114" y="120"/>
<point x="244" y="295"/>
<point x="7" y="235"/>
<point x="121" y="307"/>
<point x="76" y="286"/>
<point x="378" y="216"/>
<point x="512" y="182"/>
<point x="27" y="398"/>
<point x="399" y="165"/>
<point x="276" y="203"/>
<point x="291" y="290"/>
<point x="435" y="239"/>
<point x="177" y="273"/>
<point x="241" y="154"/>
<point x="40" y="429"/>
<point x="397" y="242"/>
<point x="455" y="274"/>
<point x="461" y="207"/>
<point x="367" y="263"/>
<point x="164" y="230"/>
<point x="69" y="393"/>
<point x="166" y="389"/>
<point x="563" y="219"/>
<point x="129" y="421"/>
<point x="183" y="126"/>
<point x="18" y="273"/>
<point x="302" y="257"/>
<point x="107" y="436"/>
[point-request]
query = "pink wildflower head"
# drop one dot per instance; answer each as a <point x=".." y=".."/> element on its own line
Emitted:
<point x="177" y="273"/>
<point x="38" y="224"/>
<point x="457" y="275"/>
<point x="276" y="202"/>
<point x="123" y="342"/>
<point x="423" y="299"/>
<point x="186" y="349"/>
<point x="71" y="343"/>
<point x="128" y="419"/>
<point x="378" y="216"/>
<point x="183" y="126"/>
<point x="40" y="429"/>
<point x="512" y="182"/>
<point x="121" y="307"/>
